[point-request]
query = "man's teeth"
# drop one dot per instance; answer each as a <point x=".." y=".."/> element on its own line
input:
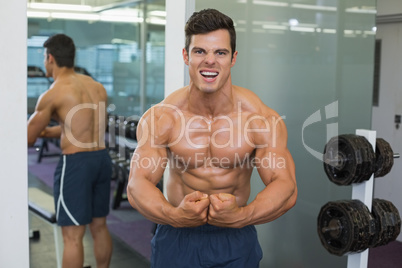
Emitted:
<point x="209" y="73"/>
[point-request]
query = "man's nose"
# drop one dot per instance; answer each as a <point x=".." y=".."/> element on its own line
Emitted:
<point x="210" y="58"/>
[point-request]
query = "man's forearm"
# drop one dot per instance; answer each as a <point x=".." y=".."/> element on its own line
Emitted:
<point x="271" y="203"/>
<point x="148" y="200"/>
<point x="51" y="132"/>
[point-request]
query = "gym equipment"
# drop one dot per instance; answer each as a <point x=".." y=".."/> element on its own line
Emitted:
<point x="130" y="128"/>
<point x="123" y="171"/>
<point x="42" y="204"/>
<point x="121" y="142"/>
<point x="347" y="159"/>
<point x="347" y="226"/>
<point x="350" y="158"/>
<point x="110" y="138"/>
<point x="44" y="145"/>
<point x="35" y="71"/>
<point x="387" y="222"/>
<point x="384" y="158"/>
<point x="343" y="229"/>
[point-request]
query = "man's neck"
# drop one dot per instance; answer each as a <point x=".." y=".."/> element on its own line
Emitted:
<point x="61" y="71"/>
<point x="211" y="105"/>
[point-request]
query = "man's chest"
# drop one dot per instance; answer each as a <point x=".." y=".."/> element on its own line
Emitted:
<point x="221" y="142"/>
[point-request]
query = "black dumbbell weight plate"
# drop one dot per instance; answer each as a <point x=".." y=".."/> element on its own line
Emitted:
<point x="348" y="159"/>
<point x="344" y="227"/>
<point x="384" y="158"/>
<point x="387" y="221"/>
<point x="130" y="129"/>
<point x="367" y="166"/>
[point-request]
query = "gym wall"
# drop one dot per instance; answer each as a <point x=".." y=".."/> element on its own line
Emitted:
<point x="389" y="27"/>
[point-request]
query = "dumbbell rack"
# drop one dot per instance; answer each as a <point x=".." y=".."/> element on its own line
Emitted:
<point x="363" y="192"/>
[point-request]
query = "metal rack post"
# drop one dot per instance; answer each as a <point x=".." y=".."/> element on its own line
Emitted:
<point x="363" y="192"/>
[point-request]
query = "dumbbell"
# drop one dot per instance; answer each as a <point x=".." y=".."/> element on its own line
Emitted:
<point x="123" y="171"/>
<point x="110" y="129"/>
<point x="351" y="159"/>
<point x="347" y="226"/>
<point x="130" y="128"/>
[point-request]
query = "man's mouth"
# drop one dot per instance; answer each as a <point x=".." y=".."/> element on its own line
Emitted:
<point x="209" y="74"/>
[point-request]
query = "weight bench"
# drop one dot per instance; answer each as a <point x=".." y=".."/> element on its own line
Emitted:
<point x="42" y="204"/>
<point x="44" y="145"/>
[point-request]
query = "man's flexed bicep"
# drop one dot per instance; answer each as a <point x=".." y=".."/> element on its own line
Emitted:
<point x="150" y="157"/>
<point x="274" y="160"/>
<point x="276" y="168"/>
<point x="147" y="166"/>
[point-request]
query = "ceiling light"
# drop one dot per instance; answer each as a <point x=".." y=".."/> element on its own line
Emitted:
<point x="313" y="7"/>
<point x="154" y="20"/>
<point x="331" y="31"/>
<point x="270" y="3"/>
<point x="38" y="14"/>
<point x="63" y="7"/>
<point x="121" y="12"/>
<point x="362" y="10"/>
<point x="74" y="16"/>
<point x="120" y="18"/>
<point x="293" y="22"/>
<point x="158" y="13"/>
<point x="369" y="32"/>
<point x="122" y="41"/>
<point x="302" y="29"/>
<point x="274" y="27"/>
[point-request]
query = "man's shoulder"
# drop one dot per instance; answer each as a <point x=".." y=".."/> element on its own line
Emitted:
<point x="177" y="97"/>
<point x="252" y="103"/>
<point x="78" y="85"/>
<point x="161" y="118"/>
<point x="172" y="105"/>
<point x="52" y="92"/>
<point x="163" y="113"/>
<point x="89" y="80"/>
<point x="59" y="87"/>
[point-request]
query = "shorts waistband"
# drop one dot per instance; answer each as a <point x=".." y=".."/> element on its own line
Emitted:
<point x="207" y="228"/>
<point x="100" y="152"/>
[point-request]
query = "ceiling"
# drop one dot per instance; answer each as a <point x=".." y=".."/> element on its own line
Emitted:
<point x="98" y="10"/>
<point x="95" y="3"/>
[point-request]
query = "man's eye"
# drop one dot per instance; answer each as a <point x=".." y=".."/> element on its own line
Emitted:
<point x="198" y="52"/>
<point x="221" y="53"/>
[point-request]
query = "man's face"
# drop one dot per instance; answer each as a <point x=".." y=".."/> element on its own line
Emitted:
<point x="209" y="60"/>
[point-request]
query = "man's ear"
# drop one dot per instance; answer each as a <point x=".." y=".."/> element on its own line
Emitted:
<point x="234" y="58"/>
<point x="185" y="56"/>
<point x="50" y="58"/>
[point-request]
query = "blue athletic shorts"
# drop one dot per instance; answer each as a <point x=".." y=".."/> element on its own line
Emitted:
<point x="205" y="246"/>
<point x="82" y="187"/>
